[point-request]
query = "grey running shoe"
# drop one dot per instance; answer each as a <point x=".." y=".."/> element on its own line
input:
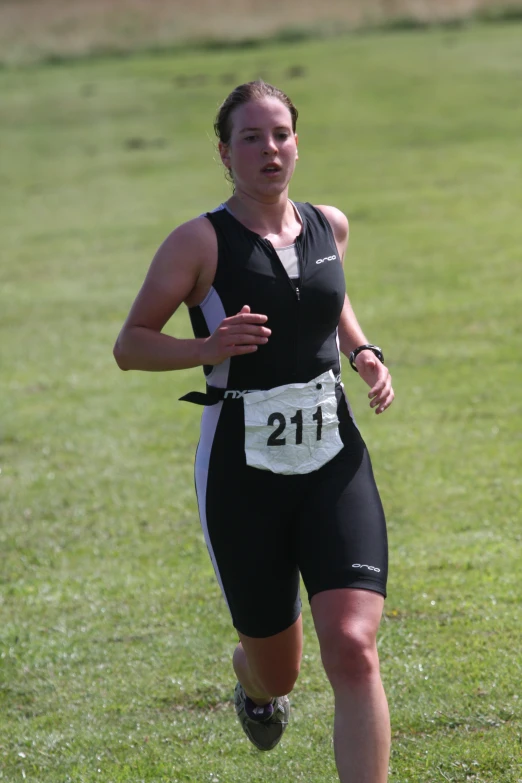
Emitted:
<point x="264" y="726"/>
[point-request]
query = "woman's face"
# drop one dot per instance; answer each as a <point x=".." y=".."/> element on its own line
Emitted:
<point x="262" y="150"/>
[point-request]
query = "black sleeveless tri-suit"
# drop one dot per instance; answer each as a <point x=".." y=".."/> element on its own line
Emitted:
<point x="262" y="528"/>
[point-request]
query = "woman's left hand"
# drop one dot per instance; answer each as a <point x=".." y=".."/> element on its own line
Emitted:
<point x="378" y="378"/>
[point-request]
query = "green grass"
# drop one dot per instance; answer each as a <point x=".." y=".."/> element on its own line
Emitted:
<point x="114" y="641"/>
<point x="37" y="31"/>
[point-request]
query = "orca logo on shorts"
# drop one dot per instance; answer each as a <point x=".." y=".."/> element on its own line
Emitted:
<point x="328" y="258"/>
<point x="370" y="568"/>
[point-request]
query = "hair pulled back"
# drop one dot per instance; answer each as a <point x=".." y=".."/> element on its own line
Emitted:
<point x="250" y="91"/>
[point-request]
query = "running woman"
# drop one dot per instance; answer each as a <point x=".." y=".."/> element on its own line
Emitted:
<point x="284" y="481"/>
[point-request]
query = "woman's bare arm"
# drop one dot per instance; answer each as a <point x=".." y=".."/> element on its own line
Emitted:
<point x="351" y="335"/>
<point x="182" y="271"/>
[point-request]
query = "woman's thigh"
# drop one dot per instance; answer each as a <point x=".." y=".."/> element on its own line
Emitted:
<point x="246" y="518"/>
<point x="346" y="613"/>
<point x="342" y="539"/>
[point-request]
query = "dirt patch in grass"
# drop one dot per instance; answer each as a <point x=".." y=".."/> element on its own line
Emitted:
<point x="39" y="30"/>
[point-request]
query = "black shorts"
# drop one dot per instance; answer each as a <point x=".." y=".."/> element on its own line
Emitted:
<point x="262" y="529"/>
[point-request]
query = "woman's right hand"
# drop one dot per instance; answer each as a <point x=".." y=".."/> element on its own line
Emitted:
<point x="237" y="335"/>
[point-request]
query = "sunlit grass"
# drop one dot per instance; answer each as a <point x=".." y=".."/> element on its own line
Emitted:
<point x="115" y="642"/>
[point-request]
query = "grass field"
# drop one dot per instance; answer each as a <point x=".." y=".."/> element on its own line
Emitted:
<point x="52" y="30"/>
<point x="114" y="641"/>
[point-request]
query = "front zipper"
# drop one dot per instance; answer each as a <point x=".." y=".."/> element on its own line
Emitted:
<point x="295" y="289"/>
<point x="298" y="295"/>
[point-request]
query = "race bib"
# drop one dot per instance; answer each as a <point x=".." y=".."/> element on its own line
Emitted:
<point x="293" y="428"/>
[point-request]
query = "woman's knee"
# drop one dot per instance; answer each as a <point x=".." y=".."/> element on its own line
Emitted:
<point x="347" y="621"/>
<point x="350" y="656"/>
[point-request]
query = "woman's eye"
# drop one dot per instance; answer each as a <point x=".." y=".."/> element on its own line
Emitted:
<point x="250" y="138"/>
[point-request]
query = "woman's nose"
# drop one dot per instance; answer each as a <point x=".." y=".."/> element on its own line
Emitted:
<point x="269" y="146"/>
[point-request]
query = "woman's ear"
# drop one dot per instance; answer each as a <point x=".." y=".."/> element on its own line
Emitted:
<point x="224" y="153"/>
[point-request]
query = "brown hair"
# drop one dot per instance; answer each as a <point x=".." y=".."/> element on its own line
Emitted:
<point x="250" y="91"/>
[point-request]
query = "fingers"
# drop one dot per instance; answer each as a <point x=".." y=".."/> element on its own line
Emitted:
<point x="382" y="394"/>
<point x="379" y="387"/>
<point x="239" y="334"/>
<point x="244" y="328"/>
<point x="242" y="338"/>
<point x="238" y="329"/>
<point x="246" y="317"/>
<point x="386" y="402"/>
<point x="238" y="350"/>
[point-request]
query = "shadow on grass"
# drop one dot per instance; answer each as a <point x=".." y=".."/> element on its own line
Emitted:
<point x="203" y="699"/>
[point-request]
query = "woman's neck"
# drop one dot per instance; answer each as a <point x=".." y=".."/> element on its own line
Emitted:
<point x="267" y="219"/>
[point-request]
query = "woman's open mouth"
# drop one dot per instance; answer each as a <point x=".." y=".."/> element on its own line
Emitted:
<point x="271" y="169"/>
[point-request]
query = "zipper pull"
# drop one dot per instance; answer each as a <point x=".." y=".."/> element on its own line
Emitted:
<point x="297" y="294"/>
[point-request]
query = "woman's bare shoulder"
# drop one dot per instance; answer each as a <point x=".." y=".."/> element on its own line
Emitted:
<point x="339" y="224"/>
<point x="196" y="235"/>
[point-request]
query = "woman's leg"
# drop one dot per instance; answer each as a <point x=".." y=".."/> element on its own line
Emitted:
<point x="346" y="621"/>
<point x="269" y="667"/>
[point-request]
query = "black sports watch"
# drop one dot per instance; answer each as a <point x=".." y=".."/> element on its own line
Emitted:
<point x="355" y="353"/>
